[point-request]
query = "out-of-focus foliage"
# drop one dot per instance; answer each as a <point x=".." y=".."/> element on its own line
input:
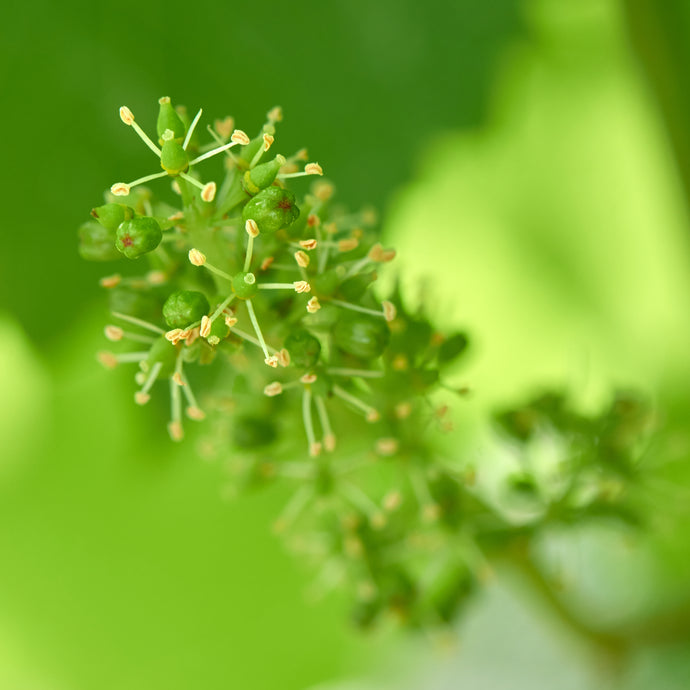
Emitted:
<point x="557" y="234"/>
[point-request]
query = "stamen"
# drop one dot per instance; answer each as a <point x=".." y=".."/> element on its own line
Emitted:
<point x="294" y="507"/>
<point x="268" y="141"/>
<point x="387" y="446"/>
<point x="175" y="426"/>
<point x="257" y="330"/>
<point x="392" y="500"/>
<point x="240" y="137"/>
<point x="313" y="305"/>
<point x="250" y="338"/>
<point x="356" y="307"/>
<point x="372" y="414"/>
<point x="138" y="322"/>
<point x="389" y="310"/>
<point x="127" y="117"/>
<point x="360" y="500"/>
<point x="301" y="258"/>
<point x="208" y="193"/>
<point x="110" y="281"/>
<point x="283" y="358"/>
<point x="275" y="115"/>
<point x="297" y="286"/>
<point x="314" y="446"/>
<point x="225" y="126"/>
<point x="308" y="244"/>
<point x="193" y="410"/>
<point x="363" y="373"/>
<point x="190" y="131"/>
<point x="221" y="308"/>
<point x="328" y="435"/>
<point x="193" y="181"/>
<point x="274" y="388"/>
<point x="429" y="508"/>
<point x="252" y="230"/>
<point x="205" y="328"/>
<point x="196" y="258"/>
<point x="142" y="397"/>
<point x="123" y="188"/>
<point x="347" y="245"/>
<point x="115" y="333"/>
<point x="309" y="169"/>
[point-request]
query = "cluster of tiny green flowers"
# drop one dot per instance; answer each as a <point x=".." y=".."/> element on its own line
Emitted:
<point x="251" y="300"/>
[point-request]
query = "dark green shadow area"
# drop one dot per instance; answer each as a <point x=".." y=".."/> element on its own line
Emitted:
<point x="364" y="85"/>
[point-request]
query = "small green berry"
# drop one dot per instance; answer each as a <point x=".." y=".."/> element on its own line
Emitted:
<point x="272" y="209"/>
<point x="361" y="336"/>
<point x="304" y="348"/>
<point x="111" y="215"/>
<point x="138" y="236"/>
<point x="169" y="119"/>
<point x="97" y="243"/>
<point x="244" y="285"/>
<point x="184" y="307"/>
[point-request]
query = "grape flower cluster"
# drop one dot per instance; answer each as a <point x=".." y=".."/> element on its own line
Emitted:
<point x="253" y="302"/>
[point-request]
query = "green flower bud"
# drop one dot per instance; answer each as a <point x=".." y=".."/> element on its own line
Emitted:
<point x="361" y="336"/>
<point x="165" y="353"/>
<point x="97" y="243"/>
<point x="272" y="209"/>
<point x="174" y="159"/>
<point x="263" y="175"/>
<point x="111" y="215"/>
<point x="184" y="307"/>
<point x="169" y="119"/>
<point x="138" y="236"/>
<point x="244" y="285"/>
<point x="253" y="431"/>
<point x="304" y="348"/>
<point x="452" y="348"/>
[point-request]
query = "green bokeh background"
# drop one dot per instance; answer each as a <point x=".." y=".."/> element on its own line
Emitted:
<point x="528" y="162"/>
